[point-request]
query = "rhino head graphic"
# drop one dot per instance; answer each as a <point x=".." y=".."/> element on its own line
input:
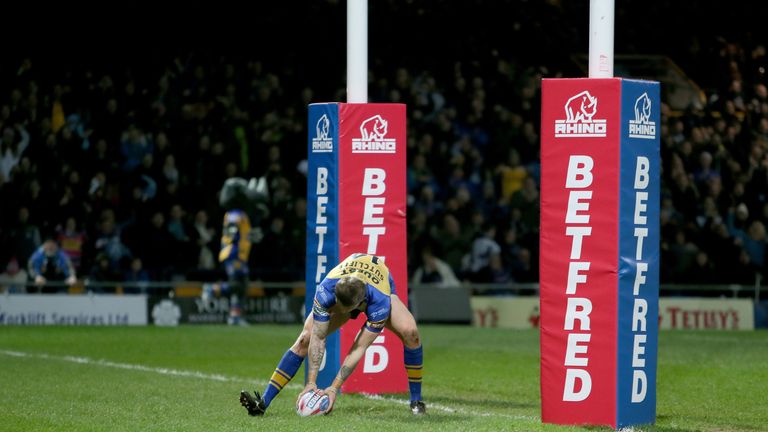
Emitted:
<point x="373" y="129"/>
<point x="323" y="127"/>
<point x="643" y="108"/>
<point x="580" y="107"/>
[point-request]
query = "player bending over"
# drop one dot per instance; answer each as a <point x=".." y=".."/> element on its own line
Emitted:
<point x="361" y="283"/>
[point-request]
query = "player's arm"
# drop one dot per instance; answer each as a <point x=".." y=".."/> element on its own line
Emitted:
<point x="378" y="312"/>
<point x="363" y="340"/>
<point x="229" y="232"/>
<point x="316" y="350"/>
<point x="35" y="267"/>
<point x="321" y="321"/>
<point x="67" y="268"/>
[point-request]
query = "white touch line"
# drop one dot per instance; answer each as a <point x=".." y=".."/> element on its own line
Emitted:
<point x="137" y="367"/>
<point x="224" y="378"/>
<point x="447" y="409"/>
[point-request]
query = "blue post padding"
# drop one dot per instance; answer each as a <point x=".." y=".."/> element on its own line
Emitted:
<point x="639" y="203"/>
<point x="322" y="217"/>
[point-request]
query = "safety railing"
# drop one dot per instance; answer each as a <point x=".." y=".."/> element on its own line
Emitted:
<point x="257" y="288"/>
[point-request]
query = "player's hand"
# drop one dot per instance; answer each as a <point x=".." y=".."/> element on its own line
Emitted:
<point x="71" y="280"/>
<point x="308" y="388"/>
<point x="39" y="280"/>
<point x="331" y="392"/>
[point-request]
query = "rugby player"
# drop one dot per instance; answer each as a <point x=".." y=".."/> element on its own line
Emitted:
<point x="360" y="283"/>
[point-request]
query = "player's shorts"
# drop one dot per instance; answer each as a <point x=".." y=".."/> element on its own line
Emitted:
<point x="235" y="268"/>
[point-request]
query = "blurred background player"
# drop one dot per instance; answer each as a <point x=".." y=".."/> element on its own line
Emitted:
<point x="50" y="264"/>
<point x="360" y="283"/>
<point x="239" y="198"/>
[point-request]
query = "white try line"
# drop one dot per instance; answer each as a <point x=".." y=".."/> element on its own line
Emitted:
<point x="223" y="378"/>
<point x="446" y="409"/>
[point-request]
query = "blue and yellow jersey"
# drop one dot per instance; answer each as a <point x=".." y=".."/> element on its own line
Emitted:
<point x="235" y="241"/>
<point x="379" y="285"/>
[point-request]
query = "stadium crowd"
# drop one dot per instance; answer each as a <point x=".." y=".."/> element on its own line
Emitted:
<point x="120" y="165"/>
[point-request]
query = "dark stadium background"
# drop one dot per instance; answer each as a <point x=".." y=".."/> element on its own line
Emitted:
<point x="508" y="45"/>
<point x="472" y="54"/>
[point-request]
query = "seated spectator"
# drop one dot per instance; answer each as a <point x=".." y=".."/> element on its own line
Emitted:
<point x="702" y="272"/>
<point x="14" y="279"/>
<point x="102" y="271"/>
<point x="485" y="258"/>
<point x="136" y="277"/>
<point x="754" y="244"/>
<point x="108" y="240"/>
<point x="454" y="241"/>
<point x="434" y="271"/>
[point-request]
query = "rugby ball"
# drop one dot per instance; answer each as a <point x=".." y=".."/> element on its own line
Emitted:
<point x="312" y="403"/>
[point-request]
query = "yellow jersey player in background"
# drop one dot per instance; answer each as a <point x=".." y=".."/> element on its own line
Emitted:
<point x="235" y="249"/>
<point x="360" y="283"/>
<point x="237" y="237"/>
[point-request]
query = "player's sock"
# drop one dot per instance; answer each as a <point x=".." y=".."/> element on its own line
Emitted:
<point x="414" y="359"/>
<point x="286" y="369"/>
<point x="235" y="311"/>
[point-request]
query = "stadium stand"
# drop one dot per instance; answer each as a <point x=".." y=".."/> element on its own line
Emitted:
<point x="119" y="155"/>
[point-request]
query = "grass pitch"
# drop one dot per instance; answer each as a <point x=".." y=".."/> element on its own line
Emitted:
<point x="188" y="379"/>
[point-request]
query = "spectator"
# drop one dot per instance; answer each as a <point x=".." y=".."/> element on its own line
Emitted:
<point x="181" y="240"/>
<point x="170" y="172"/>
<point x="11" y="149"/>
<point x="50" y="264"/>
<point x="754" y="244"/>
<point x="434" y="271"/>
<point x="527" y="201"/>
<point x="485" y="259"/>
<point x="136" y="277"/>
<point x="72" y="242"/>
<point x="155" y="246"/>
<point x="109" y="242"/>
<point x="25" y="237"/>
<point x="454" y="241"/>
<point x="102" y="271"/>
<point x="205" y="238"/>
<point x="274" y="258"/>
<point x="511" y="175"/>
<point x="702" y="271"/>
<point x="134" y="145"/>
<point x="14" y="279"/>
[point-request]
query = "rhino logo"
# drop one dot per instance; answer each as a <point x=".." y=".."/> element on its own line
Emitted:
<point x="373" y="129"/>
<point x="580" y="108"/>
<point x="643" y="109"/>
<point x="323" y="127"/>
<point x="642" y="126"/>
<point x="578" y="122"/>
<point x="372" y="132"/>
<point x="322" y="142"/>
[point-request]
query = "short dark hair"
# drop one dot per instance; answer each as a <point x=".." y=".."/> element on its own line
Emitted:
<point x="349" y="290"/>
